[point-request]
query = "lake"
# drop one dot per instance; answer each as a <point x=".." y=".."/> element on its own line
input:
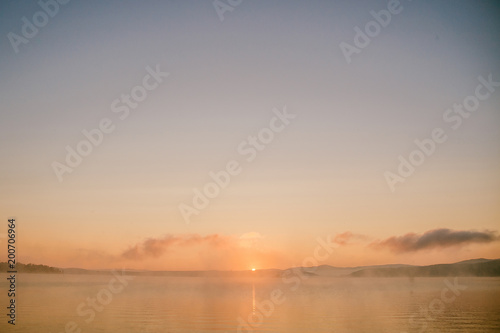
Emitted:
<point x="107" y="303"/>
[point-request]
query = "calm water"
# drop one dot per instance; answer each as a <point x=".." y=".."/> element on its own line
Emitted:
<point x="47" y="303"/>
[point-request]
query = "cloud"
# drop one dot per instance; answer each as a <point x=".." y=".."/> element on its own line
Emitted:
<point x="156" y="247"/>
<point x="347" y="238"/>
<point x="215" y="251"/>
<point x="438" y="238"/>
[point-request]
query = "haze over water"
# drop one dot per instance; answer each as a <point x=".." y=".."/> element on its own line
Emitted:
<point x="166" y="304"/>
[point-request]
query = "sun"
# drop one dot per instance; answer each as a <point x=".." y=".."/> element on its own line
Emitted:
<point x="253" y="269"/>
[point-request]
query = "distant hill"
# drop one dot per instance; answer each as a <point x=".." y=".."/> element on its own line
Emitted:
<point x="475" y="267"/>
<point x="472" y="267"/>
<point x="30" y="268"/>
<point x="332" y="271"/>
<point x="473" y="261"/>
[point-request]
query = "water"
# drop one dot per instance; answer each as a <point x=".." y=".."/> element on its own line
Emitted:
<point x="47" y="303"/>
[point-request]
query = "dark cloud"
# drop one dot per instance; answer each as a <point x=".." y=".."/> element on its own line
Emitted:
<point x="438" y="238"/>
<point x="347" y="238"/>
<point x="155" y="247"/>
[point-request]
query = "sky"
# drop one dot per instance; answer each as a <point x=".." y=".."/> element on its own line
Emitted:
<point x="307" y="118"/>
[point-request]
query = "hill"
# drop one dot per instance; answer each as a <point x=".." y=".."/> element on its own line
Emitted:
<point x="475" y="267"/>
<point x="472" y="267"/>
<point x="30" y="268"/>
